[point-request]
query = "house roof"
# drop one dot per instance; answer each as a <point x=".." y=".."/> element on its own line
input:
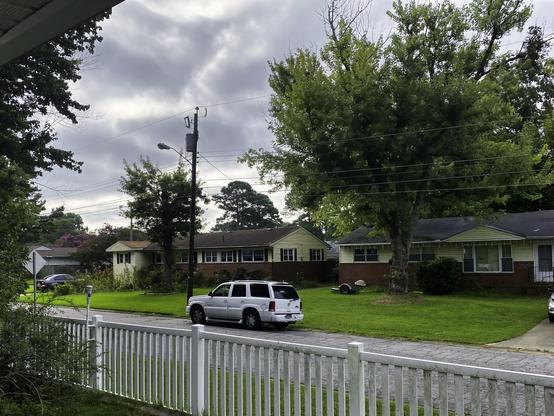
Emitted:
<point x="531" y="225"/>
<point x="244" y="238"/>
<point x="25" y="24"/>
<point x="57" y="252"/>
<point x="136" y="244"/>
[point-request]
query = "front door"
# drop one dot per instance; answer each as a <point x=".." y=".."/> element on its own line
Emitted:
<point x="545" y="264"/>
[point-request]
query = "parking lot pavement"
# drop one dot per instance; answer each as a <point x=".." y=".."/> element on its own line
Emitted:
<point x="531" y="362"/>
<point x="540" y="338"/>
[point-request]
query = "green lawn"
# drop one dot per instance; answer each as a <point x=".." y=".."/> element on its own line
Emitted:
<point x="462" y="318"/>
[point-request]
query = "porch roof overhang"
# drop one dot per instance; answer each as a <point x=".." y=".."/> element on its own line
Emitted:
<point x="25" y="24"/>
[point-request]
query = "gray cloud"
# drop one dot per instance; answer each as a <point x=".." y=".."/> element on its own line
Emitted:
<point x="162" y="57"/>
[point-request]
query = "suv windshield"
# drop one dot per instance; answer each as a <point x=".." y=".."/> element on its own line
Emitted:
<point x="285" y="292"/>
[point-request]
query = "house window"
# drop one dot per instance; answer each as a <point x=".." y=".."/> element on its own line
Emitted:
<point x="422" y="254"/>
<point x="287" y="254"/>
<point x="123" y="258"/>
<point x="316" y="254"/>
<point x="227" y="256"/>
<point x="491" y="258"/>
<point x="182" y="257"/>
<point x="210" y="256"/>
<point x="158" y="258"/>
<point x="366" y="254"/>
<point x="253" y="255"/>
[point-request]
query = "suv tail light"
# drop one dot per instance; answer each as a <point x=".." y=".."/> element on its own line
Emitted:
<point x="272" y="306"/>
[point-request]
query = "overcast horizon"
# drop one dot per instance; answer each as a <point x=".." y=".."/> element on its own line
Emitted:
<point x="160" y="59"/>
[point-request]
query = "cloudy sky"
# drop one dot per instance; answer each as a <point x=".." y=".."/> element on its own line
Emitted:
<point x="161" y="58"/>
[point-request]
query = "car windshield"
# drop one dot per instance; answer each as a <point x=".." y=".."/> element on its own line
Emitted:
<point x="285" y="292"/>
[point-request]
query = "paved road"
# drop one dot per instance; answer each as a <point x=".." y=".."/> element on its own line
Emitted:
<point x="532" y="362"/>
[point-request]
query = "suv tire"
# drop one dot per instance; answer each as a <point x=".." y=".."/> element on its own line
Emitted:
<point x="551" y="317"/>
<point x="197" y="315"/>
<point x="251" y="319"/>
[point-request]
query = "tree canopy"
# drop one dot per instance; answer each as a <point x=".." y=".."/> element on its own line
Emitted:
<point x="437" y="119"/>
<point x="35" y="92"/>
<point x="244" y="208"/>
<point x="160" y="206"/>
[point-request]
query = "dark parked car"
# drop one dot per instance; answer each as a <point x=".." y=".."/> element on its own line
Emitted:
<point x="49" y="282"/>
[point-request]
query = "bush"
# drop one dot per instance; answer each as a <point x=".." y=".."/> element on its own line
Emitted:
<point x="102" y="280"/>
<point x="439" y="277"/>
<point x="256" y="275"/>
<point x="63" y="290"/>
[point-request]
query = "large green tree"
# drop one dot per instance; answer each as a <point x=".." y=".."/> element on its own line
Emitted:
<point x="160" y="206"/>
<point x="244" y="208"/>
<point x="60" y="228"/>
<point x="34" y="88"/>
<point x="436" y="119"/>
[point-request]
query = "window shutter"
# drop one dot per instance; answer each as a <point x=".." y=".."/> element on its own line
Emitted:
<point x="239" y="256"/>
<point x="281" y="254"/>
<point x="265" y="255"/>
<point x="234" y="256"/>
<point x="203" y="257"/>
<point x="295" y="255"/>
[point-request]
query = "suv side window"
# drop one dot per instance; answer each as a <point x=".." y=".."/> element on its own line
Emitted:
<point x="259" y="290"/>
<point x="222" y="291"/>
<point x="239" y="291"/>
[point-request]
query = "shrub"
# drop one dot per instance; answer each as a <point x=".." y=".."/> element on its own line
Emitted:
<point x="63" y="290"/>
<point x="102" y="280"/>
<point x="440" y="276"/>
<point x="255" y="275"/>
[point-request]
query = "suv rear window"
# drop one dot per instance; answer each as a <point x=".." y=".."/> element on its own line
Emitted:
<point x="285" y="292"/>
<point x="259" y="290"/>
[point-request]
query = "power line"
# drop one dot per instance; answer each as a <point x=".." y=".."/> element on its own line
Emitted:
<point x="169" y="117"/>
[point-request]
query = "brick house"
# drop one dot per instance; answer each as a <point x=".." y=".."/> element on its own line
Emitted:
<point x="515" y="251"/>
<point x="280" y="253"/>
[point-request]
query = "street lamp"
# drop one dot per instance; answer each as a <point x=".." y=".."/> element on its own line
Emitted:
<point x="191" y="145"/>
<point x="163" y="146"/>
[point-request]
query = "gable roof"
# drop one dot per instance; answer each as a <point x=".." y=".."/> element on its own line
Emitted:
<point x="243" y="238"/>
<point x="128" y="246"/>
<point x="530" y="225"/>
<point x="57" y="252"/>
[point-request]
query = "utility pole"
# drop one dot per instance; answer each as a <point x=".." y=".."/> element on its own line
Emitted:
<point x="191" y="147"/>
<point x="131" y="230"/>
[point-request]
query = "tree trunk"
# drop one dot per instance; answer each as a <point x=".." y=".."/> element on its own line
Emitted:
<point x="168" y="267"/>
<point x="399" y="278"/>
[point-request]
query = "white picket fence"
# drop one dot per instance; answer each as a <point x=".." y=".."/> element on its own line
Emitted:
<point x="207" y="373"/>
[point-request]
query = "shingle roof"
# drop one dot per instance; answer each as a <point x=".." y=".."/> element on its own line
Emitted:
<point x="57" y="252"/>
<point x="536" y="224"/>
<point x="136" y="244"/>
<point x="243" y="238"/>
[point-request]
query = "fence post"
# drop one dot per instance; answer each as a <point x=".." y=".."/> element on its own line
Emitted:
<point x="356" y="379"/>
<point x="95" y="352"/>
<point x="197" y="370"/>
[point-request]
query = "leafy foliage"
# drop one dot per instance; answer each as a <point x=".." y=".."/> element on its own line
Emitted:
<point x="63" y="229"/>
<point x="433" y="121"/>
<point x="92" y="253"/>
<point x="161" y="206"/>
<point x="441" y="276"/>
<point x="245" y="209"/>
<point x="33" y="89"/>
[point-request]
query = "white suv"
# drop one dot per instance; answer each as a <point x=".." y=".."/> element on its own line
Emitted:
<point x="250" y="302"/>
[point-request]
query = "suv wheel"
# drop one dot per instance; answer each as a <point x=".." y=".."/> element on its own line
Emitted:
<point x="251" y="319"/>
<point x="197" y="315"/>
<point x="551" y="317"/>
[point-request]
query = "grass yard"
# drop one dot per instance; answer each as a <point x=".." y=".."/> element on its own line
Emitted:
<point x="462" y="318"/>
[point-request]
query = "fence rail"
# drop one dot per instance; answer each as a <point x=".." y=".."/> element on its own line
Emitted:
<point x="202" y="372"/>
